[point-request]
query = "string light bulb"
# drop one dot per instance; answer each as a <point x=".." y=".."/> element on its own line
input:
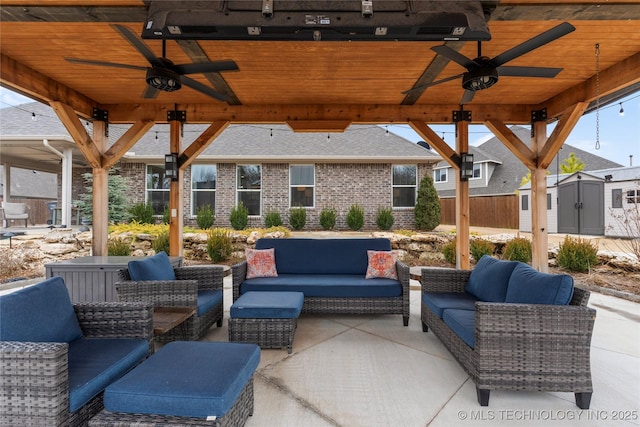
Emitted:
<point x="156" y="135"/>
<point x="621" y="110"/>
<point x="34" y="117"/>
<point x="387" y="132"/>
<point x="270" y="134"/>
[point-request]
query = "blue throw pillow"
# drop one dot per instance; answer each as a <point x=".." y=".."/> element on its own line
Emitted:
<point x="157" y="267"/>
<point x="489" y="279"/>
<point x="529" y="286"/>
<point x="39" y="313"/>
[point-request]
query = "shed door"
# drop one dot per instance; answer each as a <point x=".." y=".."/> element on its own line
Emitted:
<point x="581" y="208"/>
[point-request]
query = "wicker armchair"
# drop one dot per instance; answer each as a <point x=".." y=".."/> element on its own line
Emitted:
<point x="182" y="292"/>
<point x="34" y="389"/>
<point x="518" y="346"/>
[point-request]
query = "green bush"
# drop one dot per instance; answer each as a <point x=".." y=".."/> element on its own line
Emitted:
<point x="204" y="217"/>
<point x="449" y="252"/>
<point x="219" y="244"/>
<point x="328" y="218"/>
<point x="480" y="247"/>
<point x="297" y="218"/>
<point x="166" y="218"/>
<point x="142" y="213"/>
<point x="355" y="217"/>
<point x="517" y="249"/>
<point x="577" y="254"/>
<point x="239" y="217"/>
<point x="427" y="210"/>
<point x="118" y="247"/>
<point x="272" y="219"/>
<point x="161" y="242"/>
<point x="384" y="218"/>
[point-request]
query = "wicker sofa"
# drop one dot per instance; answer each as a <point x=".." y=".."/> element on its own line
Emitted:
<point x="331" y="274"/>
<point x="56" y="359"/>
<point x="527" y="331"/>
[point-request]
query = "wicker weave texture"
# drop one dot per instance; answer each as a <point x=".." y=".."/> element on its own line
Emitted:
<point x="267" y="333"/>
<point x="236" y="417"/>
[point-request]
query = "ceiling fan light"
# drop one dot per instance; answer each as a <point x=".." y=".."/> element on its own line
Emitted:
<point x="480" y="79"/>
<point x="163" y="79"/>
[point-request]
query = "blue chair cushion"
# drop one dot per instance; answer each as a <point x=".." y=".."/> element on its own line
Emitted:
<point x="39" y="313"/>
<point x="95" y="363"/>
<point x="326" y="285"/>
<point x="186" y="379"/>
<point x="157" y="267"/>
<point x="463" y="323"/>
<point x="437" y="302"/>
<point x="208" y="299"/>
<point x="489" y="279"/>
<point x="529" y="286"/>
<point x="268" y="305"/>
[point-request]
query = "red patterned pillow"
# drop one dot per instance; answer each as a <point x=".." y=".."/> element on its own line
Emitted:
<point x="261" y="263"/>
<point x="381" y="264"/>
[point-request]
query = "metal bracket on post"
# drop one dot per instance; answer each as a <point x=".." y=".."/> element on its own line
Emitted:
<point x="537" y="116"/>
<point x="267" y="8"/>
<point x="367" y="8"/>
<point x="103" y="116"/>
<point x="177" y="115"/>
<point x="459" y="116"/>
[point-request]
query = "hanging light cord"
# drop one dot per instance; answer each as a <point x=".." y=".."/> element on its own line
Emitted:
<point x="597" y="96"/>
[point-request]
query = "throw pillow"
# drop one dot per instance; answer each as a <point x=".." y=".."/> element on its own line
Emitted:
<point x="381" y="264"/>
<point x="157" y="267"/>
<point x="261" y="263"/>
<point x="529" y="286"/>
<point x="489" y="279"/>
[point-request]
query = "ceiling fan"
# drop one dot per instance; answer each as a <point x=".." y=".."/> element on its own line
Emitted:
<point x="164" y="74"/>
<point x="482" y="72"/>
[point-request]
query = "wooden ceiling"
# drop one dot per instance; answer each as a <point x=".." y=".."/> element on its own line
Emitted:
<point x="280" y="81"/>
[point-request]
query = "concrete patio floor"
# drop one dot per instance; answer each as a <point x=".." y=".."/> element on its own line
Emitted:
<point x="371" y="371"/>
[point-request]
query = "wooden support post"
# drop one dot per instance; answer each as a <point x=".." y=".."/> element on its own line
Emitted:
<point x="462" y="201"/>
<point x="539" y="227"/>
<point x="100" y="195"/>
<point x="176" y="194"/>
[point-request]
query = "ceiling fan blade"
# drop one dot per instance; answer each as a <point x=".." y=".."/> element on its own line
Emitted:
<point x="455" y="56"/>
<point x="207" y="67"/>
<point x="150" y="92"/>
<point x="203" y="89"/>
<point x="467" y="97"/>
<point x="104" y="64"/>
<point x="137" y="43"/>
<point x="544" y="72"/>
<point x="437" y="82"/>
<point x="533" y="43"/>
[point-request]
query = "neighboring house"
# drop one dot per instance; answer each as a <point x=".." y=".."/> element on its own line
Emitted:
<point x="601" y="202"/>
<point x="269" y="168"/>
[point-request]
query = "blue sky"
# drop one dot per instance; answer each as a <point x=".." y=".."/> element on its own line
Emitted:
<point x="619" y="135"/>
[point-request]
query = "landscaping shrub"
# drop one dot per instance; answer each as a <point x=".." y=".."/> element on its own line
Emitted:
<point x="118" y="247"/>
<point x="449" y="252"/>
<point x="355" y="217"/>
<point x="328" y="218"/>
<point x="272" y="219"/>
<point x="480" y="247"/>
<point x="142" y="213"/>
<point x="384" y="218"/>
<point x="166" y="218"/>
<point x="219" y="244"/>
<point x="204" y="217"/>
<point x="517" y="249"/>
<point x="118" y="203"/>
<point x="297" y="218"/>
<point x="161" y="242"/>
<point x="427" y="210"/>
<point x="577" y="254"/>
<point x="239" y="217"/>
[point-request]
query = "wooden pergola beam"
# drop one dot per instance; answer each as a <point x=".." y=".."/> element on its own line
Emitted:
<point x="70" y="120"/>
<point x="126" y="141"/>
<point x="512" y="142"/>
<point x="438" y="144"/>
<point x="567" y="122"/>
<point x="201" y="143"/>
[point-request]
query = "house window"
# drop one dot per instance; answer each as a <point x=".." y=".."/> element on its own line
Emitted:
<point x="477" y="171"/>
<point x="203" y="187"/>
<point x="249" y="187"/>
<point x="440" y="175"/>
<point x="157" y="188"/>
<point x="302" y="186"/>
<point x="525" y="202"/>
<point x="616" y="198"/>
<point x="548" y="201"/>
<point x="633" y="197"/>
<point x="404" y="182"/>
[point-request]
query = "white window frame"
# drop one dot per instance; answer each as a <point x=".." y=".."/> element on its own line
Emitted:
<point x="414" y="186"/>
<point x="632" y="197"/>
<point x="194" y="212"/>
<point x="248" y="190"/>
<point x="439" y="170"/>
<point x="312" y="186"/>
<point x="478" y="167"/>
<point x="147" y="189"/>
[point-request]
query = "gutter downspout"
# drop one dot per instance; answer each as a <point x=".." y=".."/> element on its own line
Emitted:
<point x="67" y="169"/>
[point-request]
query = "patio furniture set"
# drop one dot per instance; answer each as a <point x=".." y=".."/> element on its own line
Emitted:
<point x="509" y="327"/>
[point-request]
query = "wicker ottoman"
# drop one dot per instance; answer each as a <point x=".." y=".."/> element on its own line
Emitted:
<point x="268" y="319"/>
<point x="185" y="384"/>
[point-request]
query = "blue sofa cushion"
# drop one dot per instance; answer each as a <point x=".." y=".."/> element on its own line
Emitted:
<point x="39" y="313"/>
<point x="207" y="299"/>
<point x="463" y="323"/>
<point x="323" y="256"/>
<point x="326" y="285"/>
<point x="268" y="305"/>
<point x="95" y="363"/>
<point x="437" y="302"/>
<point x="489" y="279"/>
<point x="157" y="267"/>
<point x="186" y="379"/>
<point x="529" y="286"/>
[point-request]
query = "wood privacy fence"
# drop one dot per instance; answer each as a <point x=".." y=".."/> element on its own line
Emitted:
<point x="485" y="211"/>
